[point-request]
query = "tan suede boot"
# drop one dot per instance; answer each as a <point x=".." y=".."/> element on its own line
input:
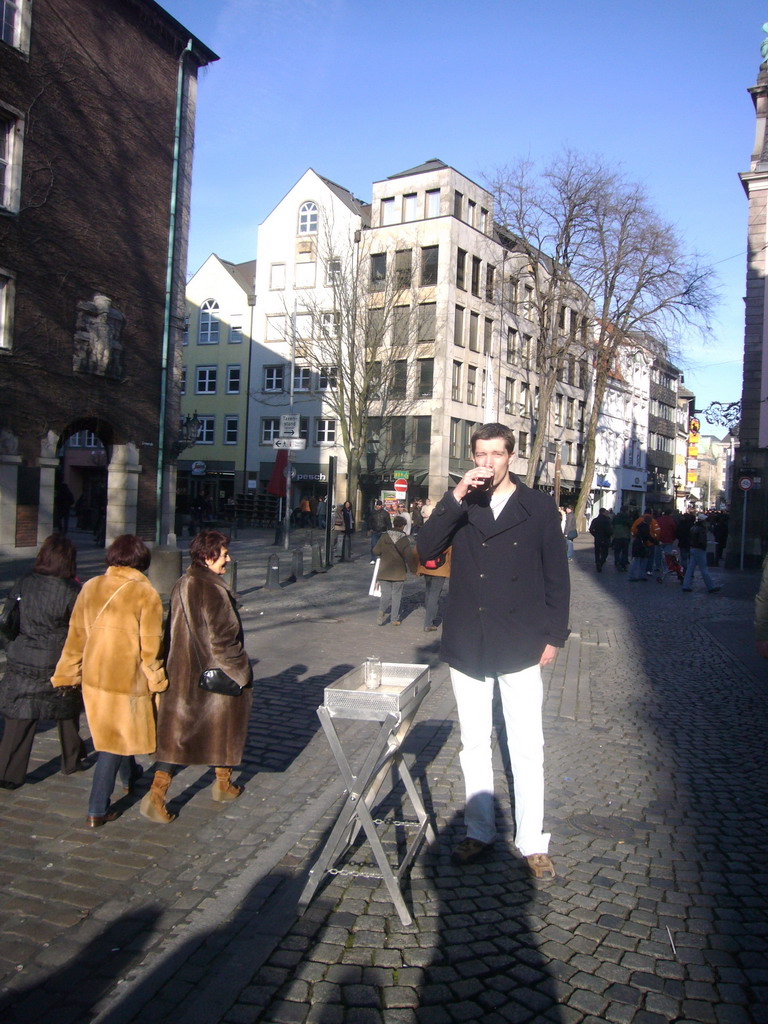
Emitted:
<point x="223" y="789"/>
<point x="153" y="804"/>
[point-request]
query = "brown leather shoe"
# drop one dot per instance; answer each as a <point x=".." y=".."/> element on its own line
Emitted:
<point x="97" y="820"/>
<point x="540" y="865"/>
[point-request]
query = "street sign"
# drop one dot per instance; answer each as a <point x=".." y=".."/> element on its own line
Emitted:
<point x="745" y="482"/>
<point x="289" y="425"/>
<point x="401" y="486"/>
<point x="294" y="444"/>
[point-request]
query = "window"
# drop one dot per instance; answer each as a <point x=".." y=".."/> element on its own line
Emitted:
<point x="304" y="427"/>
<point x="453" y="442"/>
<point x="275" y="327"/>
<point x="568" y="452"/>
<point x="483" y="222"/>
<point x="511" y="345"/>
<point x="487" y="335"/>
<point x="458" y="326"/>
<point x="327" y="379"/>
<point x="231" y="429"/>
<point x="525" y="397"/>
<point x="397" y="439"/>
<point x="522" y="444"/>
<point x="490" y="273"/>
<point x="569" y="415"/>
<point x="528" y="300"/>
<point x="11" y="135"/>
<point x="509" y="395"/>
<point x="457" y="203"/>
<point x="274" y="377"/>
<point x="403" y="268"/>
<point x="205" y="380"/>
<point x="467" y="429"/>
<point x="471" y="211"/>
<point x="303" y="325"/>
<point x="427" y="325"/>
<point x="456" y="381"/>
<point x="401" y="316"/>
<point x="409" y="206"/>
<point x="426" y="377"/>
<point x="7" y="290"/>
<point x="422" y="434"/>
<point x="471" y="385"/>
<point x="388" y="214"/>
<point x="461" y="269"/>
<point x="433" y="203"/>
<point x="476" y="265"/>
<point x="333" y="271"/>
<point x="205" y="433"/>
<point x="209" y="323"/>
<point x="525" y="350"/>
<point x="183" y="381"/>
<point x="277" y="276"/>
<point x="185" y="331"/>
<point x="301" y="378"/>
<point x="325" y="431"/>
<point x="304" y="274"/>
<point x="558" y="410"/>
<point x="308" y="218"/>
<point x="429" y="260"/>
<point x="233" y="379"/>
<point x="474" y="320"/>
<point x="236" y="328"/>
<point x="330" y="324"/>
<point x="399" y="378"/>
<point x="14" y="23"/>
<point x="378" y="271"/>
<point x="270" y="429"/>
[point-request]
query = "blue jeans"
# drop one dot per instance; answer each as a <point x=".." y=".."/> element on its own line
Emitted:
<point x="697" y="559"/>
<point x="104" y="776"/>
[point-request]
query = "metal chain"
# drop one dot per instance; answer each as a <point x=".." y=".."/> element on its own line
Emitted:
<point x="354" y="874"/>
<point x="393" y="821"/>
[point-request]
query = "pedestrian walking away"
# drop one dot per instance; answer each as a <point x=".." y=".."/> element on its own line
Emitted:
<point x="621" y="538"/>
<point x="698" y="557"/>
<point x="506" y="615"/>
<point x="435" y="573"/>
<point x="570" y="531"/>
<point x="114" y="650"/>
<point x="601" y="529"/>
<point x="45" y="599"/>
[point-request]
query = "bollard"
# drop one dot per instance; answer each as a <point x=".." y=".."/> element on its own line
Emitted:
<point x="273" y="572"/>
<point x="318" y="565"/>
<point x="297" y="565"/>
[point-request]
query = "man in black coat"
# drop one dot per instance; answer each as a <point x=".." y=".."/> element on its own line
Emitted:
<point x="507" y="614"/>
<point x="601" y="529"/>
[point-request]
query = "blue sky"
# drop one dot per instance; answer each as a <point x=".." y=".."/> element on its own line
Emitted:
<point x="361" y="89"/>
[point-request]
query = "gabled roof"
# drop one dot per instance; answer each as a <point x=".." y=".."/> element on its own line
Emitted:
<point x="357" y="206"/>
<point x="243" y="273"/>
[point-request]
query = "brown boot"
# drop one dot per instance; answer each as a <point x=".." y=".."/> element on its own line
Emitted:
<point x="153" y="804"/>
<point x="223" y="789"/>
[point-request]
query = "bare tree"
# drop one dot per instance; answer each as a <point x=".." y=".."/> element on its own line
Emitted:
<point x="356" y="335"/>
<point x="547" y="218"/>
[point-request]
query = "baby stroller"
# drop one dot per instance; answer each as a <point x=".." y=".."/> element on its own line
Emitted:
<point x="672" y="566"/>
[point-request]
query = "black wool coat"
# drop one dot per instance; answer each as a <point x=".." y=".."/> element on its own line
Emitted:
<point x="510" y="587"/>
<point x="26" y="691"/>
<point x="193" y="725"/>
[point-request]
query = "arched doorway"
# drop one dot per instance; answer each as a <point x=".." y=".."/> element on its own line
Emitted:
<point x="81" y="487"/>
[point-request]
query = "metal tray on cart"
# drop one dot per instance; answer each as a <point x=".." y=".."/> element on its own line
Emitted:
<point x="401" y="684"/>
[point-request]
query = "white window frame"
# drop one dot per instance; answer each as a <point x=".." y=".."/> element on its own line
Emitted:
<point x="231" y="368"/>
<point x="302" y="378"/>
<point x="229" y="422"/>
<point x="277" y="277"/>
<point x="206" y="433"/>
<point x="236" y="329"/>
<point x="209" y="328"/>
<point x="270" y="429"/>
<point x="206" y="380"/>
<point x="7" y="305"/>
<point x="325" y="431"/>
<point x="183" y="381"/>
<point x="308" y="218"/>
<point x="274" y="378"/>
<point x="328" y="378"/>
<point x="12" y="123"/>
<point x="19" y="34"/>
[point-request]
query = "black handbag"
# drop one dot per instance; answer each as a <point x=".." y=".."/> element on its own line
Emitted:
<point x="214" y="680"/>
<point x="10" y="620"/>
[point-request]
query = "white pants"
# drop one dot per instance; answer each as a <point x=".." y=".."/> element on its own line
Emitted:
<point x="521" y="699"/>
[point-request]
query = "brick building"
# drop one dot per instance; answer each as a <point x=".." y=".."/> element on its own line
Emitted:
<point x="97" y="106"/>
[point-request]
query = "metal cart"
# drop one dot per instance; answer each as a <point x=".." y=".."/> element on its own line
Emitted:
<point x="394" y="704"/>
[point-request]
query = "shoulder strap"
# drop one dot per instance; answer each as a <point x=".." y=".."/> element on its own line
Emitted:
<point x="111" y="596"/>
<point x="192" y="636"/>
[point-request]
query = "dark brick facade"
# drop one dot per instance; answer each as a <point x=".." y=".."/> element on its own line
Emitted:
<point x="97" y="92"/>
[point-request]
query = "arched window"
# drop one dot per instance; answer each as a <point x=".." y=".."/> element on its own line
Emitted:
<point x="209" y="322"/>
<point x="308" y="218"/>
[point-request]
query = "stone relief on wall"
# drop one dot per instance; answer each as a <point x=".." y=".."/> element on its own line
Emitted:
<point x="98" y="345"/>
<point x="9" y="443"/>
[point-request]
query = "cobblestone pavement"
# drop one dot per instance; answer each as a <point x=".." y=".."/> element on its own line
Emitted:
<point x="655" y="717"/>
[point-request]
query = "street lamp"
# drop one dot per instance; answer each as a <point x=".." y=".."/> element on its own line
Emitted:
<point x="188" y="433"/>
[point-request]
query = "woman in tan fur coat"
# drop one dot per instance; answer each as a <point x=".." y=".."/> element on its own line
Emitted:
<point x="194" y="726"/>
<point x="114" y="650"/>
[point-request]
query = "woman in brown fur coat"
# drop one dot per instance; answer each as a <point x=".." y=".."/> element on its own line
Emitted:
<point x="195" y="726"/>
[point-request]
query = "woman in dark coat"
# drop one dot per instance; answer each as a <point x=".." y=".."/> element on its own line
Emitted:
<point x="47" y="596"/>
<point x="195" y="726"/>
